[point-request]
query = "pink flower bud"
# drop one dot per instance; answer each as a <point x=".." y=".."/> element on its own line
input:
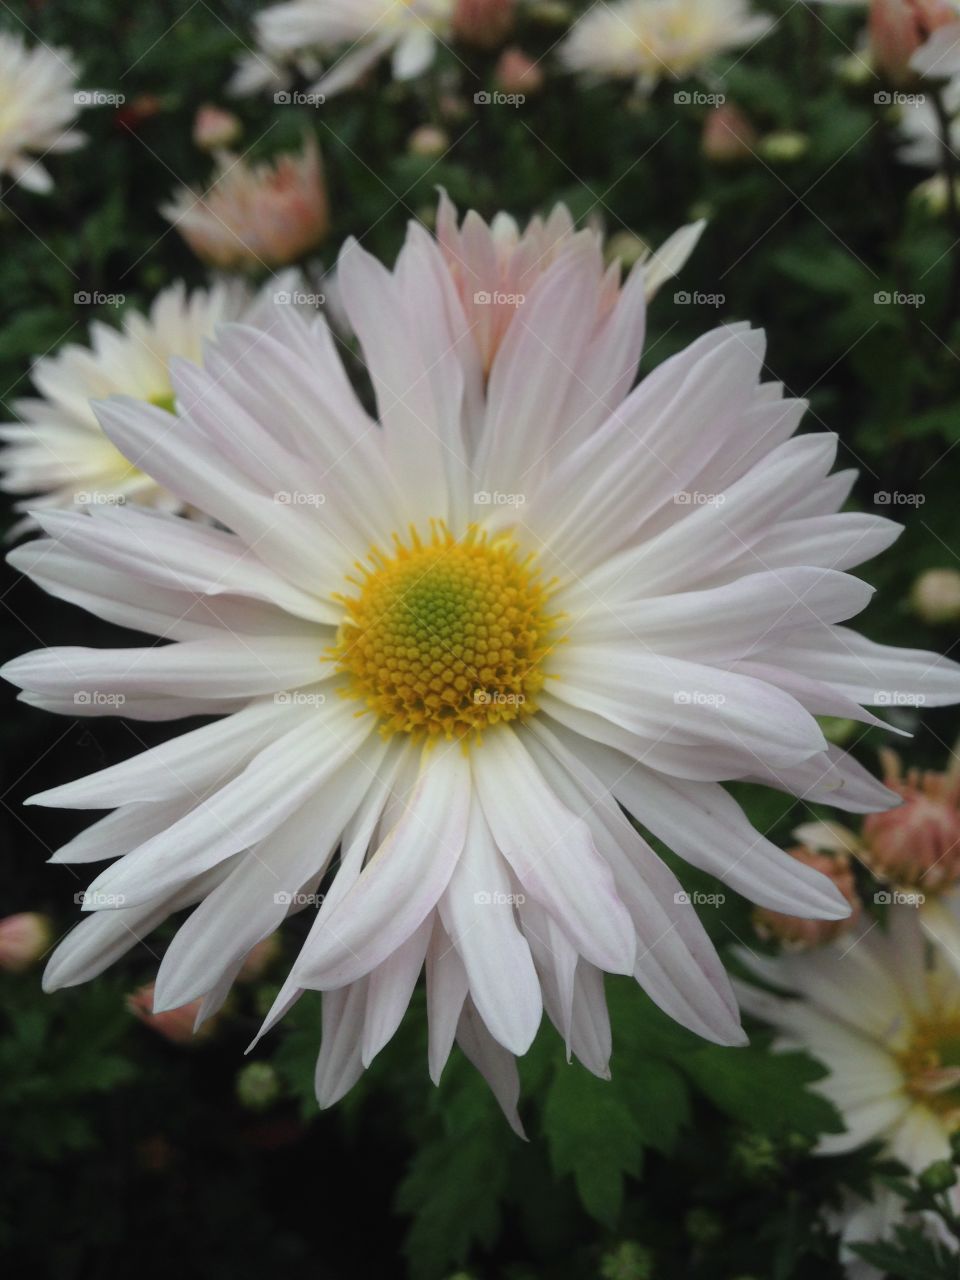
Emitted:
<point x="214" y="128"/>
<point x="260" y="215"/>
<point x="484" y="23"/>
<point x="899" y="27"/>
<point x="175" y="1025"/>
<point x="728" y="135"/>
<point x="918" y="844"/>
<point x="516" y="72"/>
<point x="23" y="939"/>
<point x="798" y="934"/>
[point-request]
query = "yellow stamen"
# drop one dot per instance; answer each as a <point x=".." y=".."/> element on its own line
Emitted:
<point x="446" y="637"/>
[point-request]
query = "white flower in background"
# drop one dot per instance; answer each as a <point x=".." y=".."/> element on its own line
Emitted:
<point x="256" y="215"/>
<point x="37" y="107"/>
<point x="449" y="642"/>
<point x="920" y="129"/>
<point x="495" y="266"/>
<point x="357" y="33"/>
<point x="883" y="1016"/>
<point x="57" y="452"/>
<point x="652" y="40"/>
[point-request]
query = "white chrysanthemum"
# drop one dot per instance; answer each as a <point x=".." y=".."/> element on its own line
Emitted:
<point x="652" y="40"/>
<point x="449" y="642"/>
<point x="358" y="32"/>
<point x="37" y="107"/>
<point x="883" y="1016"/>
<point x="57" y="452"/>
<point x="920" y="128"/>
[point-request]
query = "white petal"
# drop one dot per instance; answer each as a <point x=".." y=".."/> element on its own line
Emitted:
<point x="552" y="852"/>
<point x="478" y="914"/>
<point x="400" y="885"/>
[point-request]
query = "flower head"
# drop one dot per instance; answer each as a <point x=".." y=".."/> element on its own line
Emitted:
<point x="883" y="1016"/>
<point x="495" y="266"/>
<point x="256" y="215"/>
<point x="23" y="939"/>
<point x="214" y="128"/>
<point x="358" y="33"/>
<point x="898" y="28"/>
<point x="799" y="933"/>
<point x="917" y="845"/>
<point x="484" y="23"/>
<point x="652" y="40"/>
<point x="176" y="1025"/>
<point x="38" y="104"/>
<point x="57" y="453"/>
<point x="447" y="642"/>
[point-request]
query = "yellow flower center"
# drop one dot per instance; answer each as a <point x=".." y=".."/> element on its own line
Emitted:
<point x="165" y="400"/>
<point x="446" y="637"/>
<point x="931" y="1067"/>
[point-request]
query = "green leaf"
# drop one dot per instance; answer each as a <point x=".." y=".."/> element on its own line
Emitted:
<point x="766" y="1091"/>
<point x="596" y="1136"/>
<point x="458" y="1178"/>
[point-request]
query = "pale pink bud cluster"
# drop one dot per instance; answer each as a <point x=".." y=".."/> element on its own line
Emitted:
<point x="264" y="215"/>
<point x="917" y="844"/>
<point x="796" y="933"/>
<point x="899" y="27"/>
